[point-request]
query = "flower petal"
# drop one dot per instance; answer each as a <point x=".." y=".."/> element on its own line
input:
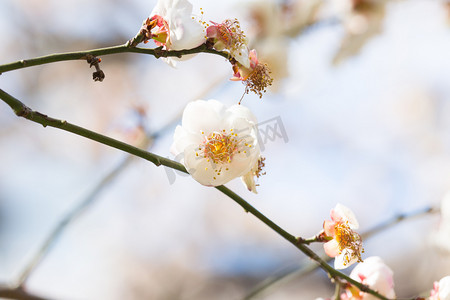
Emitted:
<point x="240" y="111"/>
<point x="343" y="213"/>
<point x="444" y="288"/>
<point x="340" y="261"/>
<point x="328" y="227"/>
<point x="331" y="248"/>
<point x="201" y="115"/>
<point x="183" y="139"/>
<point x="249" y="181"/>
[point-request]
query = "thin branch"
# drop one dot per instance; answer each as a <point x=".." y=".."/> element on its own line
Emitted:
<point x="125" y="48"/>
<point x="284" y="275"/>
<point x="23" y="111"/>
<point x="399" y="218"/>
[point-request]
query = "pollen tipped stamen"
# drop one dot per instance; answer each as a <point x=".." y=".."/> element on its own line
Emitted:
<point x="220" y="148"/>
<point x="350" y="242"/>
<point x="259" y="80"/>
<point x="229" y="34"/>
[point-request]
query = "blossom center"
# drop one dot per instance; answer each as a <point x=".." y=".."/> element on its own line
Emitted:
<point x="219" y="147"/>
<point x="349" y="242"/>
<point x="159" y="30"/>
<point x="229" y="33"/>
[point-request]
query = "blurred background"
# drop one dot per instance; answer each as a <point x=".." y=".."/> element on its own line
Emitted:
<point x="361" y="89"/>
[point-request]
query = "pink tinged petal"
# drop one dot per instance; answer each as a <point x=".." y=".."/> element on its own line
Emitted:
<point x="377" y="275"/>
<point x="328" y="227"/>
<point x="331" y="248"/>
<point x="212" y="31"/>
<point x="236" y="77"/>
<point x="253" y="59"/>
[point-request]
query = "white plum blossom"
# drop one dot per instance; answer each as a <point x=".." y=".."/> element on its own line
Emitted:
<point x="344" y="244"/>
<point x="374" y="273"/>
<point x="441" y="290"/>
<point x="172" y="25"/>
<point x="217" y="144"/>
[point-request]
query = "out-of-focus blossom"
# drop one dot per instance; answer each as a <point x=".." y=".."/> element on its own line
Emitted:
<point x="362" y="20"/>
<point x="273" y="25"/>
<point x="343" y="242"/>
<point x="216" y="144"/>
<point x="441" y="289"/>
<point x="374" y="273"/>
<point x="440" y="238"/>
<point x="131" y="128"/>
<point x="172" y="26"/>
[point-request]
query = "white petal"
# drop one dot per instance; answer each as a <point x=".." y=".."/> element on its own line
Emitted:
<point x="347" y="215"/>
<point x="161" y="8"/>
<point x="185" y="32"/>
<point x="340" y="259"/>
<point x="249" y="181"/>
<point x="183" y="139"/>
<point x="171" y="61"/>
<point x="444" y="288"/>
<point x="203" y="115"/>
<point x="241" y="164"/>
<point x="339" y="262"/>
<point x="242" y="56"/>
<point x="241" y="111"/>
